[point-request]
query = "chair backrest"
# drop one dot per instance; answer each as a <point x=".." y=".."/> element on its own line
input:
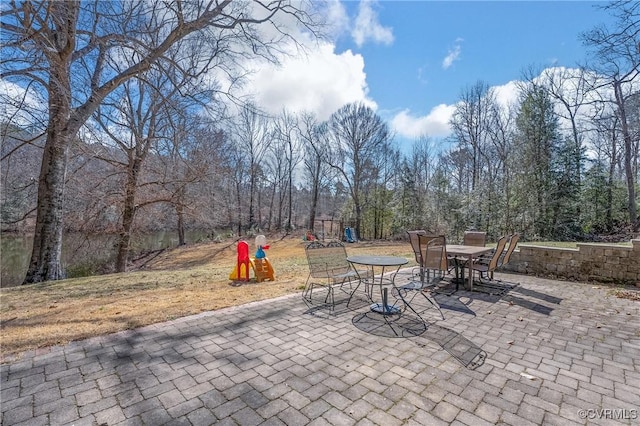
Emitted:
<point x="513" y="241"/>
<point x="474" y="238"/>
<point x="326" y="260"/>
<point x="415" y="244"/>
<point x="434" y="252"/>
<point x="495" y="259"/>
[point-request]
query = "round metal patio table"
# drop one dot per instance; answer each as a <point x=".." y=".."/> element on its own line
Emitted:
<point x="381" y="262"/>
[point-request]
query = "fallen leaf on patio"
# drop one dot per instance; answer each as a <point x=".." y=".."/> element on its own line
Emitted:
<point x="511" y="302"/>
<point x="528" y="376"/>
<point x="595" y="286"/>
<point x="510" y="342"/>
<point x="489" y="312"/>
<point x="520" y="318"/>
<point x="598" y="326"/>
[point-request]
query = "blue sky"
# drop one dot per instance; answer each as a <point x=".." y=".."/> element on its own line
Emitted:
<point x="410" y="60"/>
<point x="489" y="41"/>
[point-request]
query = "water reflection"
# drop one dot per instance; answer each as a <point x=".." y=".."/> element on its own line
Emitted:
<point x="82" y="254"/>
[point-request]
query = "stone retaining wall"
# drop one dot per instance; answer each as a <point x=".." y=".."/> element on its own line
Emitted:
<point x="587" y="262"/>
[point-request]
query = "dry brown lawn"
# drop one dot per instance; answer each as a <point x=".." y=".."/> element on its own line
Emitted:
<point x="176" y="283"/>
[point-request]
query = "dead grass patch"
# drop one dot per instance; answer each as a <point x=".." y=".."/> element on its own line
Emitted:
<point x="176" y="283"/>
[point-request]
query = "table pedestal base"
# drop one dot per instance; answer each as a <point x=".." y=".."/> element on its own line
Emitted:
<point x="385" y="310"/>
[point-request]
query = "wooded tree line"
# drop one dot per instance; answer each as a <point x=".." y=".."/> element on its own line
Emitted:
<point x="135" y="138"/>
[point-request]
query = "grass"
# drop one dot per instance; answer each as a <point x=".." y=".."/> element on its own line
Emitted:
<point x="177" y="283"/>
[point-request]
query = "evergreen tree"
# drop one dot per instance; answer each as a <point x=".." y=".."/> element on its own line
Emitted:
<point x="538" y="140"/>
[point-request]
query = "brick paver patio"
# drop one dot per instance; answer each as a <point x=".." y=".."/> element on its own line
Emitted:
<point x="547" y="352"/>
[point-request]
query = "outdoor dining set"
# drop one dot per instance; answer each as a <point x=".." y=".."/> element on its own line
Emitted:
<point x="389" y="290"/>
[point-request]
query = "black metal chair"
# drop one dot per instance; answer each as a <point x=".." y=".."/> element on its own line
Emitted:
<point x="434" y="259"/>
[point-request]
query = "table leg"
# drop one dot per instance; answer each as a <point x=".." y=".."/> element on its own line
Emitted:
<point x="385" y="299"/>
<point x="470" y="273"/>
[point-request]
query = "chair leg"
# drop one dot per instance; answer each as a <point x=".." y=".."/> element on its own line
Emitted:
<point x="354" y="292"/>
<point x="308" y="288"/>
<point x="408" y="304"/>
<point x="493" y="284"/>
<point x="427" y="295"/>
<point x="433" y="301"/>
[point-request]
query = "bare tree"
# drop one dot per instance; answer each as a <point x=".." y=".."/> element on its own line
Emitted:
<point x="357" y="135"/>
<point x="237" y="186"/>
<point x="135" y="121"/>
<point x="570" y="89"/>
<point x="616" y="58"/>
<point x="193" y="151"/>
<point x="501" y="135"/>
<point x="252" y="134"/>
<point x="72" y="51"/>
<point x="414" y="209"/>
<point x="207" y="147"/>
<point x="275" y="173"/>
<point x="286" y="130"/>
<point x="379" y="192"/>
<point x="469" y="123"/>
<point x="316" y="166"/>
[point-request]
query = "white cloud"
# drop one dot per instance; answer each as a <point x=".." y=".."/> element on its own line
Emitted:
<point x="435" y="124"/>
<point x="336" y="17"/>
<point x="21" y="107"/>
<point x="507" y="94"/>
<point x="367" y="26"/>
<point x="453" y="55"/>
<point x="319" y="82"/>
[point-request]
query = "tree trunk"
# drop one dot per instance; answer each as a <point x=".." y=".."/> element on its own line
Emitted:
<point x="358" y="218"/>
<point x="610" y="184"/>
<point x="47" y="241"/>
<point x="128" y="217"/>
<point x="271" y="207"/>
<point x="314" y="199"/>
<point x="281" y="197"/>
<point x="239" y="208"/>
<point x="180" y="214"/>
<point x="633" y="219"/>
<point x="252" y="185"/>
<point x="290" y="196"/>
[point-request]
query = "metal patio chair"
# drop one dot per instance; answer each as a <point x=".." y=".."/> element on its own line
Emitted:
<point x="433" y="253"/>
<point x="485" y="268"/>
<point x="328" y="268"/>
<point x="415" y="246"/>
<point x="474" y="238"/>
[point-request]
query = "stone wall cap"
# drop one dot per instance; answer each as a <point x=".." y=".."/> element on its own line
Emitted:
<point x="533" y="244"/>
<point x="606" y="245"/>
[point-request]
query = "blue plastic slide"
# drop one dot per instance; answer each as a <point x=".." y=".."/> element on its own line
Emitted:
<point x="348" y="235"/>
